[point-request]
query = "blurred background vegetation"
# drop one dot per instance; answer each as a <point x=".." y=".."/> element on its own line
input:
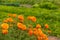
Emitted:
<point x="18" y="2"/>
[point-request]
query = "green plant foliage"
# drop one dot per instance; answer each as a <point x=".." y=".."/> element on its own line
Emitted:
<point x="48" y="5"/>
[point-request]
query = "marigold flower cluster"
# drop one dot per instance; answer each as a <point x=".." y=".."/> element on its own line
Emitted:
<point x="37" y="31"/>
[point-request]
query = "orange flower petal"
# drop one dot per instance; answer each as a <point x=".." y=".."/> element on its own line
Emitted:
<point x="14" y="15"/>
<point x="5" y="26"/>
<point x="46" y="26"/>
<point x="4" y="31"/>
<point x="20" y="17"/>
<point x="38" y="26"/>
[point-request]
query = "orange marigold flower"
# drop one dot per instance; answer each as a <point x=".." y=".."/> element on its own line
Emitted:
<point x="38" y="26"/>
<point x="39" y="38"/>
<point x="30" y="32"/>
<point x="14" y="15"/>
<point x="9" y="19"/>
<point x="10" y="15"/>
<point x="4" y="26"/>
<point x="20" y="17"/>
<point x="32" y="18"/>
<point x="46" y="26"/>
<point x="29" y="17"/>
<point x="43" y="35"/>
<point x="24" y="27"/>
<point x="21" y="26"/>
<point x="39" y="32"/>
<point x="35" y="32"/>
<point x="4" y="31"/>
<point x="5" y="21"/>
<point x="46" y="38"/>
